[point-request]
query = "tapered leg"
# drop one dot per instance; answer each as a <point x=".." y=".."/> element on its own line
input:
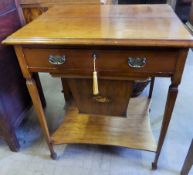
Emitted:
<point x="151" y="87"/>
<point x="39" y="87"/>
<point x="33" y="91"/>
<point x="13" y="142"/>
<point x="66" y="90"/>
<point x="188" y="161"/>
<point x="171" y="99"/>
<point x="9" y="135"/>
<point x="11" y="139"/>
<point x="41" y="116"/>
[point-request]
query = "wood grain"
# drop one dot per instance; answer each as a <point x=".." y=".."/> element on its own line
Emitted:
<point x="117" y="94"/>
<point x="33" y="9"/>
<point x="40" y="112"/>
<point x="114" y="31"/>
<point x="134" y="25"/>
<point x="115" y="61"/>
<point x="131" y="132"/>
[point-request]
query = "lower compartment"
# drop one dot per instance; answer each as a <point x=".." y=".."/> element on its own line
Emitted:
<point x="134" y="131"/>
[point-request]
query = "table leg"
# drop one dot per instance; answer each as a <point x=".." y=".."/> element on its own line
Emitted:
<point x="188" y="161"/>
<point x="41" y="116"/>
<point x="66" y="90"/>
<point x="171" y="99"/>
<point x="9" y="135"/>
<point x="33" y="91"/>
<point x="39" y="87"/>
<point x="12" y="140"/>
<point x="151" y="87"/>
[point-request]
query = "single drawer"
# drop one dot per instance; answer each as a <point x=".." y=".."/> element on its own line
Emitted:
<point x="110" y="61"/>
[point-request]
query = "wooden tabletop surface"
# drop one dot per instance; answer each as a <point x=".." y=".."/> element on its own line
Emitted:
<point x="124" y="25"/>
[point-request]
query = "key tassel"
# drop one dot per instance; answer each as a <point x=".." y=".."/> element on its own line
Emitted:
<point x="95" y="78"/>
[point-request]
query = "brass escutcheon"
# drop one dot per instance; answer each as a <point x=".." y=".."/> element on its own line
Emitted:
<point x="101" y="99"/>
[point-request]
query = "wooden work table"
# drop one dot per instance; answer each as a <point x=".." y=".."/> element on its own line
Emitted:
<point x="127" y="43"/>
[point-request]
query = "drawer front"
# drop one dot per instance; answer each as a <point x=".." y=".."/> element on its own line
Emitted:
<point x="115" y="61"/>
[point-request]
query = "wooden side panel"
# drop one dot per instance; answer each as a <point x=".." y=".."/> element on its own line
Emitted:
<point x="113" y="100"/>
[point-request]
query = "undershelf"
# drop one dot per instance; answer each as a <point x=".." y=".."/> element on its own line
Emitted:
<point x="134" y="131"/>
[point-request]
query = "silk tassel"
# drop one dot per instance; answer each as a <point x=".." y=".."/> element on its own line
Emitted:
<point x="95" y="80"/>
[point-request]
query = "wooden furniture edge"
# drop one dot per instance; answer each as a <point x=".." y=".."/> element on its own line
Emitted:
<point x="107" y="42"/>
<point x="50" y="4"/>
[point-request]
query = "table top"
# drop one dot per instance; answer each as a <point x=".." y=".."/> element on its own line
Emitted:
<point x="112" y="25"/>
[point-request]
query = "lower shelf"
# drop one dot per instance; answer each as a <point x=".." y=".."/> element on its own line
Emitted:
<point x="134" y="131"/>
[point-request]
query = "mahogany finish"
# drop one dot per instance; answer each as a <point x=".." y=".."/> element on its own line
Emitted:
<point x="132" y="43"/>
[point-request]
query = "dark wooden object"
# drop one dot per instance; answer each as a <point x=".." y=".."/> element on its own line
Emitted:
<point x="146" y="47"/>
<point x="188" y="161"/>
<point x="14" y="97"/>
<point x="142" y="1"/>
<point x="182" y="9"/>
<point x="113" y="99"/>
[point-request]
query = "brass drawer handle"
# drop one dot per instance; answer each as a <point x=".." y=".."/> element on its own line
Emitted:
<point x="101" y="99"/>
<point x="137" y="62"/>
<point x="56" y="59"/>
